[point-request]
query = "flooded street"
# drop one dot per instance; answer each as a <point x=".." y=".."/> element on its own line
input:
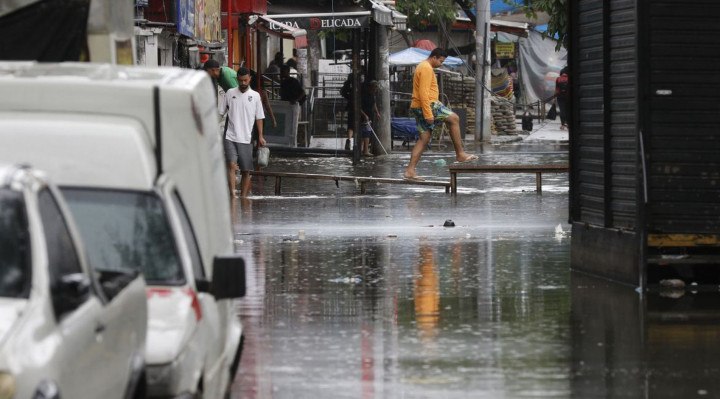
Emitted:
<point x="370" y="296"/>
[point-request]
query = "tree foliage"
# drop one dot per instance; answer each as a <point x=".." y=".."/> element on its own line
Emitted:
<point x="424" y="13"/>
<point x="556" y="9"/>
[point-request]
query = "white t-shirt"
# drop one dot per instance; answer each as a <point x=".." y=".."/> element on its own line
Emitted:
<point x="243" y="109"/>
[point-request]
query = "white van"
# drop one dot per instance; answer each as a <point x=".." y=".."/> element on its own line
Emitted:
<point x="138" y="156"/>
<point x="65" y="332"/>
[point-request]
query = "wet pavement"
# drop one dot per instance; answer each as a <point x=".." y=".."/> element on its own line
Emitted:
<point x="369" y="296"/>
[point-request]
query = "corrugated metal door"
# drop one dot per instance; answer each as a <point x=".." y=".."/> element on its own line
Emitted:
<point x="588" y="138"/>
<point x="604" y="145"/>
<point x="683" y="125"/>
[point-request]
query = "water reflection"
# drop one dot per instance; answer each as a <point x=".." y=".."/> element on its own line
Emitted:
<point x="368" y="296"/>
<point x="432" y="315"/>
<point x="427" y="295"/>
<point x="626" y="345"/>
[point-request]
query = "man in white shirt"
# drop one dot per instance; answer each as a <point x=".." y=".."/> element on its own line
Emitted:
<point x="244" y="108"/>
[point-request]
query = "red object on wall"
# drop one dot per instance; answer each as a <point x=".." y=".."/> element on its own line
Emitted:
<point x="247" y="6"/>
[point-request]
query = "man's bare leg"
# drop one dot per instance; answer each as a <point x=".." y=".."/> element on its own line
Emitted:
<point x="417" y="151"/>
<point x="232" y="177"/>
<point x="453" y="124"/>
<point x="365" y="147"/>
<point x="245" y="184"/>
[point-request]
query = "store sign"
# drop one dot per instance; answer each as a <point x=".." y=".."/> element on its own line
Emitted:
<point x="504" y="50"/>
<point x="186" y="17"/>
<point x="321" y="23"/>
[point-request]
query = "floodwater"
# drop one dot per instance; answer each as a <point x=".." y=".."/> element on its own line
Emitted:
<point x="369" y="296"/>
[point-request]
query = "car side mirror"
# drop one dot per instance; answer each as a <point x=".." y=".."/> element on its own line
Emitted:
<point x="228" y="277"/>
<point x="202" y="285"/>
<point x="72" y="291"/>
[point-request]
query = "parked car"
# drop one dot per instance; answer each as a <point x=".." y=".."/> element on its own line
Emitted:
<point x="64" y="331"/>
<point x="138" y="156"/>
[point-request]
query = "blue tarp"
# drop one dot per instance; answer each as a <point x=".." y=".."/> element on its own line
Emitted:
<point x="500" y="6"/>
<point x="414" y="55"/>
<point x="404" y="129"/>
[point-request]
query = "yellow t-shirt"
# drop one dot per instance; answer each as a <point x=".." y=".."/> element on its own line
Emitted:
<point x="425" y="88"/>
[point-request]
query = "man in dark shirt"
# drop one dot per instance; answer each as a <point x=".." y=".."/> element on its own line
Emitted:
<point x="562" y="89"/>
<point x="290" y="88"/>
<point x="291" y="91"/>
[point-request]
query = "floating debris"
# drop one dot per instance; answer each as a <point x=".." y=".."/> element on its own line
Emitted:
<point x="559" y="232"/>
<point x="672" y="283"/>
<point x="449" y="223"/>
<point x="346" y="280"/>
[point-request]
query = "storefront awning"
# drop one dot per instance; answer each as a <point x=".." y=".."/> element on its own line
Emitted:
<point x="320" y="15"/>
<point x="381" y="13"/>
<point x="270" y="25"/>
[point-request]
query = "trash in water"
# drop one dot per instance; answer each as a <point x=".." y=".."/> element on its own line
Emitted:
<point x="440" y="162"/>
<point x="672" y="283"/>
<point x="559" y="232"/>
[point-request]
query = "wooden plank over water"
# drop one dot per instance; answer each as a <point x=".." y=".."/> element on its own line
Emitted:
<point x="362" y="181"/>
<point x="537" y="169"/>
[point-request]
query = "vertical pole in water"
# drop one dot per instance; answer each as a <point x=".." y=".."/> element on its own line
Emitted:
<point x="482" y="114"/>
<point x="356" y="94"/>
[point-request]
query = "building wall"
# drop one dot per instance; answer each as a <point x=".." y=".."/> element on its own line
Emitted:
<point x="605" y="165"/>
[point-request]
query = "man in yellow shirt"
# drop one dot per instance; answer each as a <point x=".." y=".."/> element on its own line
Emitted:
<point x="430" y="113"/>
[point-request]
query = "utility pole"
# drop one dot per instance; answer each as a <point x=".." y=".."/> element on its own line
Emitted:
<point x="482" y="46"/>
<point x="382" y="75"/>
<point x="357" y="136"/>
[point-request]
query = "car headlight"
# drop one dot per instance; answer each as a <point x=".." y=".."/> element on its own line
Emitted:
<point x="7" y="386"/>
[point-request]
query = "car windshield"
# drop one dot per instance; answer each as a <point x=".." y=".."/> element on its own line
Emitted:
<point x="14" y="246"/>
<point x="125" y="230"/>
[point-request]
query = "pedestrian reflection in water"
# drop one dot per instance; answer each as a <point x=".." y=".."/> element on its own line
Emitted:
<point x="427" y="295"/>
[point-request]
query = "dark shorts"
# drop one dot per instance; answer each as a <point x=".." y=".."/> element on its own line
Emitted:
<point x="440" y="113"/>
<point x="366" y="130"/>
<point x="241" y="154"/>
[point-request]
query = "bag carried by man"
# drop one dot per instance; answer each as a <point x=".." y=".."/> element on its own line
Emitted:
<point x="263" y="156"/>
